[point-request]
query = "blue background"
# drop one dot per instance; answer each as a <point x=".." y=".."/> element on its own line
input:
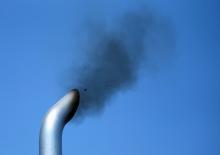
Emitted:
<point x="172" y="111"/>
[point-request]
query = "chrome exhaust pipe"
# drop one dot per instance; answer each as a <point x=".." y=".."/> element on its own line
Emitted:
<point x="50" y="142"/>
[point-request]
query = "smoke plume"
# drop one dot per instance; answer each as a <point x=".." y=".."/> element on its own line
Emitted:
<point x="114" y="55"/>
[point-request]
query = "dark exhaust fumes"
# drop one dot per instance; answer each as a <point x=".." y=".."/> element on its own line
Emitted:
<point x="114" y="55"/>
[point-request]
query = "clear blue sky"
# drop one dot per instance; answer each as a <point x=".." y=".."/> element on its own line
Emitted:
<point x="173" y="111"/>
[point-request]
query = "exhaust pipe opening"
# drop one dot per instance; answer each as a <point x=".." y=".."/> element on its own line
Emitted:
<point x="50" y="142"/>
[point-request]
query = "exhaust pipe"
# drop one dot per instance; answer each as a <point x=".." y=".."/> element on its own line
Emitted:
<point x="50" y="142"/>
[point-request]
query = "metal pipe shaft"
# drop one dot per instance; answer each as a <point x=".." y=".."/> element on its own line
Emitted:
<point x="50" y="142"/>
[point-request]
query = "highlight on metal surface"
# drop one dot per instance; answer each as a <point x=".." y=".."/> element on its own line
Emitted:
<point x="50" y="142"/>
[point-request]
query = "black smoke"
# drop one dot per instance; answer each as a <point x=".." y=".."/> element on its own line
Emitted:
<point x="114" y="55"/>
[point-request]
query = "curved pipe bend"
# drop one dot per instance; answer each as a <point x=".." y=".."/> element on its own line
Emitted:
<point x="54" y="122"/>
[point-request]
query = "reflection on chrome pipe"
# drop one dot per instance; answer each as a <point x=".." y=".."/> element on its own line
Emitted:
<point x="54" y="122"/>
